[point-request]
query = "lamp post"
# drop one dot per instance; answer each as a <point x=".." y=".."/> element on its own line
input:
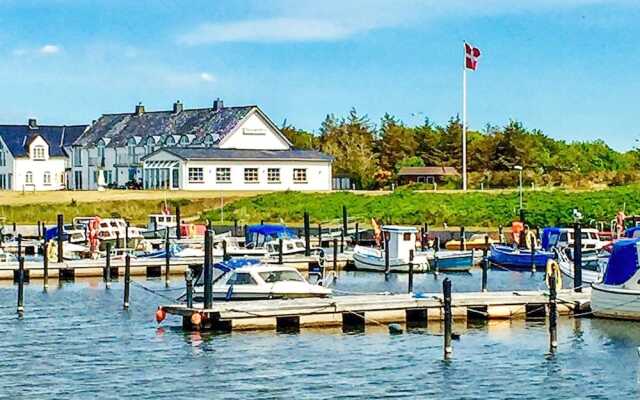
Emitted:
<point x="519" y="169"/>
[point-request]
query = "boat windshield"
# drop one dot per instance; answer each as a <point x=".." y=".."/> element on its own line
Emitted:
<point x="281" y="276"/>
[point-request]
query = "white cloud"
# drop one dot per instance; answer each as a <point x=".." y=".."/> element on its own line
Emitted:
<point x="49" y="49"/>
<point x="207" y="77"/>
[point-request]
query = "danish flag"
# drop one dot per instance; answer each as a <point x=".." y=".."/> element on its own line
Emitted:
<point x="471" y="56"/>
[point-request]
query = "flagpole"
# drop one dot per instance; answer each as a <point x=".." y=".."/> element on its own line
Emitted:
<point x="464" y="121"/>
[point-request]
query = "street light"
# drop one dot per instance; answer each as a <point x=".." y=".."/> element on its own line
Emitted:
<point x="519" y="168"/>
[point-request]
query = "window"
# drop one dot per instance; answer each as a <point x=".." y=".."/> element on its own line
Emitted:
<point x="251" y="175"/>
<point x="208" y="141"/>
<point x="299" y="175"/>
<point x="223" y="175"/>
<point x="3" y="181"/>
<point x="184" y="140"/>
<point x="169" y="141"/>
<point x="196" y="175"/>
<point x="108" y="177"/>
<point x="281" y="276"/>
<point x="78" y="180"/>
<point x="38" y="152"/>
<point x="3" y="159"/>
<point x="273" y="175"/>
<point x="241" y="278"/>
<point x="149" y="145"/>
<point x="46" y="179"/>
<point x="77" y="157"/>
<point x="28" y="178"/>
<point x="406" y="237"/>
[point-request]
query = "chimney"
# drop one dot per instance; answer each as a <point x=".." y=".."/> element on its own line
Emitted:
<point x="139" y="109"/>
<point x="177" y="107"/>
<point x="218" y="104"/>
<point x="33" y="124"/>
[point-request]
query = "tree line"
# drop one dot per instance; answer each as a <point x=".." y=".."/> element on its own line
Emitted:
<point x="372" y="154"/>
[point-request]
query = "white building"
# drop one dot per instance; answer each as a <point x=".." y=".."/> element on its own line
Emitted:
<point x="35" y="158"/>
<point x="221" y="148"/>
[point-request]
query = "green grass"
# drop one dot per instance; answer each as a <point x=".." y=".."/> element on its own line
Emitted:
<point x="482" y="209"/>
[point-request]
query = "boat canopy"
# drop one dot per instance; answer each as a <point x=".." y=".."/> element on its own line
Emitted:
<point x="235" y="263"/>
<point x="550" y="237"/>
<point x="52" y="233"/>
<point x="632" y="232"/>
<point x="623" y="262"/>
<point x="399" y="228"/>
<point x="272" y="230"/>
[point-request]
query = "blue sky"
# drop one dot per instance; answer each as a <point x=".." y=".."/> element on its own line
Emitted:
<point x="568" y="67"/>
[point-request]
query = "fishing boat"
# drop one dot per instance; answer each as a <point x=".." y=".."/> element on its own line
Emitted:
<point x="401" y="241"/>
<point x="475" y="242"/>
<point x="248" y="279"/>
<point x="592" y="267"/>
<point x="518" y="259"/>
<point x="618" y="295"/>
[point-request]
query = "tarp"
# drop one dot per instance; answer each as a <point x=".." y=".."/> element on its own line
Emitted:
<point x="550" y="237"/>
<point x="235" y="263"/>
<point x="623" y="262"/>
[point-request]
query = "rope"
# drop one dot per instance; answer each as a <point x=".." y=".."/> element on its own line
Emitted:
<point x="141" y="286"/>
<point x="332" y="304"/>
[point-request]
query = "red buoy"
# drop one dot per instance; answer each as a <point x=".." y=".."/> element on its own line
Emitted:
<point x="196" y="319"/>
<point x="160" y="315"/>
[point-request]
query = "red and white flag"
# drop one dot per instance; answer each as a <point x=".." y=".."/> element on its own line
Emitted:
<point x="471" y="56"/>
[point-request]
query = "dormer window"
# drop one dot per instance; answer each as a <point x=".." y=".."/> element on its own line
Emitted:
<point x="149" y="145"/>
<point x="184" y="140"/>
<point x="208" y="141"/>
<point x="169" y="141"/>
<point x="38" y="152"/>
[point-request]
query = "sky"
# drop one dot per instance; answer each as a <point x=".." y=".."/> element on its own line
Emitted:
<point x="566" y="67"/>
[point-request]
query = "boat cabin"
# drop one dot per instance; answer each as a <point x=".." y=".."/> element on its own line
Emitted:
<point x="564" y="237"/>
<point x="161" y="221"/>
<point x="257" y="235"/>
<point x="401" y="240"/>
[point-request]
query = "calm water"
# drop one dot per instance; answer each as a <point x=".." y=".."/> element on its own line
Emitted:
<point x="76" y="342"/>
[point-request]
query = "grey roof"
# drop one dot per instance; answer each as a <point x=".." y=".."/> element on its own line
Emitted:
<point x="17" y="137"/>
<point x="215" y="153"/>
<point x="435" y="171"/>
<point x="199" y="122"/>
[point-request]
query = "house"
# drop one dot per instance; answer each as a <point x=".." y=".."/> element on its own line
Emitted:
<point x="408" y="175"/>
<point x="35" y="157"/>
<point x="221" y="148"/>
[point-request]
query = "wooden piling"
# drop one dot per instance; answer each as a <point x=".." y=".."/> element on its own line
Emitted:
<point x="344" y="220"/>
<point x="533" y="258"/>
<point x="126" y="237"/>
<point x="167" y="258"/>
<point x="208" y="288"/>
<point x="45" y="265"/>
<point x="335" y="254"/>
<point x="235" y="227"/>
<point x="342" y="232"/>
<point x="39" y="231"/>
<point x="448" y="317"/>
<point x="117" y="239"/>
<point x="178" y="224"/>
<point x="356" y="238"/>
<point x="422" y="239"/>
<point x="463" y="244"/>
<point x="319" y="235"/>
<point x="280" y="245"/>
<point x="577" y="257"/>
<point x="21" y="278"/>
<point x="410" y="286"/>
<point x="225" y="255"/>
<point x="188" y="278"/>
<point x="307" y="237"/>
<point x="60" y="241"/>
<point x="387" y="267"/>
<point x="553" y="315"/>
<point x="485" y="263"/>
<point x="107" y="266"/>
<point x="501" y="234"/>
<point x="127" y="280"/>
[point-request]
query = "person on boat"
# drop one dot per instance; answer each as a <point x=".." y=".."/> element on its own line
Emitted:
<point x="517" y="228"/>
<point x="377" y="232"/>
<point x="620" y="217"/>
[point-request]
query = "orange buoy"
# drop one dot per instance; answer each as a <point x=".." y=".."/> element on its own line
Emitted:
<point x="160" y="315"/>
<point x="196" y="319"/>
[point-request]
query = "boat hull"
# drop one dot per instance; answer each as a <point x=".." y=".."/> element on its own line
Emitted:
<point x="453" y="263"/>
<point x="588" y="276"/>
<point x="609" y="301"/>
<point x="506" y="257"/>
<point x="366" y="262"/>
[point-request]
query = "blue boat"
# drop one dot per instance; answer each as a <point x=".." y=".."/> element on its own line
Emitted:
<point x="518" y="259"/>
<point x="454" y="261"/>
<point x="258" y="235"/>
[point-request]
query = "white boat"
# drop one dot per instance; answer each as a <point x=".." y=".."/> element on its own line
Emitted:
<point x="111" y="229"/>
<point x="618" y="296"/>
<point x="248" y="279"/>
<point x="592" y="267"/>
<point x="401" y="240"/>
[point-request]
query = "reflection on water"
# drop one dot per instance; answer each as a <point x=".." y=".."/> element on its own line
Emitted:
<point x="75" y="341"/>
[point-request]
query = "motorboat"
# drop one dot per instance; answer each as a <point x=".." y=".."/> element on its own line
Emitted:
<point x="249" y="279"/>
<point x="474" y="242"/>
<point x="401" y="241"/>
<point x="592" y="266"/>
<point x="451" y="260"/>
<point x="158" y="224"/>
<point x="114" y="231"/>
<point x="618" y="295"/>
<point x="518" y="259"/>
<point x="267" y="237"/>
<point x="564" y="237"/>
<point x="71" y="233"/>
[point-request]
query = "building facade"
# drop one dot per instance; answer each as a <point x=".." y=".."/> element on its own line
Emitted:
<point x="36" y="158"/>
<point x="232" y="148"/>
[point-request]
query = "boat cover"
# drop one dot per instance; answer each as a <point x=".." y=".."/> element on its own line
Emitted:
<point x="623" y="262"/>
<point x="52" y="233"/>
<point x="235" y="263"/>
<point x="632" y="232"/>
<point x="550" y="237"/>
<point x="276" y="231"/>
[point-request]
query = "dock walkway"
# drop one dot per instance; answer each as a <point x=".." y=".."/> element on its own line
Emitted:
<point x="374" y="309"/>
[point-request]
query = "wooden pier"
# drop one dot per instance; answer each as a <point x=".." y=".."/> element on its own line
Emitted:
<point x="361" y="310"/>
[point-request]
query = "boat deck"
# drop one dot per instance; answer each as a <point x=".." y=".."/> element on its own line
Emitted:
<point x="374" y="309"/>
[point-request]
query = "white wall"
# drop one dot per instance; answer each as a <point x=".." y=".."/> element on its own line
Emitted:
<point x="55" y="166"/>
<point x="8" y="168"/>
<point x="254" y="133"/>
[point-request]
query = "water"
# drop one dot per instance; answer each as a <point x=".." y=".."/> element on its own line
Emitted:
<point x="76" y="342"/>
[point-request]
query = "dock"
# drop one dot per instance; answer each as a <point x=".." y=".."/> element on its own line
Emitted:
<point x="362" y="310"/>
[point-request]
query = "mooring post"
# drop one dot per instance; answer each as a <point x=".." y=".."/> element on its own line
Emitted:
<point x="522" y="234"/>
<point x="20" y="286"/>
<point x="107" y="266"/>
<point x="319" y="235"/>
<point x="178" y="224"/>
<point x="167" y="258"/>
<point x="387" y="267"/>
<point x="126" y="237"/>
<point x="342" y="232"/>
<point x="463" y="244"/>
<point x="86" y="235"/>
<point x="335" y="254"/>
<point x="188" y="277"/>
<point x="448" y="318"/>
<point x="127" y="280"/>
<point x="45" y="265"/>
<point x="14" y="227"/>
<point x="208" y="288"/>
<point x="60" y="241"/>
<point x="235" y="227"/>
<point x="553" y="315"/>
<point x="410" y="288"/>
<point x="533" y="258"/>
<point x="280" y="245"/>
<point x="19" y="245"/>
<point x="357" y="235"/>
<point x="500" y="234"/>
<point x="307" y="237"/>
<point x="225" y="256"/>
<point x="422" y="239"/>
<point x="39" y="231"/>
<point x="485" y="263"/>
<point x="344" y="220"/>
<point x="577" y="257"/>
<point x="118" y="239"/>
